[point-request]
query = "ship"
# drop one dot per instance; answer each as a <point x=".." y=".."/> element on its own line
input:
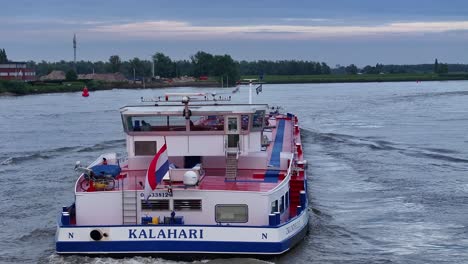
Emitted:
<point x="200" y="175"/>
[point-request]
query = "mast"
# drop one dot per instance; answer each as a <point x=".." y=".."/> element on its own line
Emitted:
<point x="250" y="88"/>
<point x="250" y="92"/>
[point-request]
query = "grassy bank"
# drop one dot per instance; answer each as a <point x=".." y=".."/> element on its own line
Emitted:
<point x="359" y="78"/>
<point x="22" y="88"/>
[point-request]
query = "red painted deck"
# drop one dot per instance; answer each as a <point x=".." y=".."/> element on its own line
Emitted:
<point x="247" y="180"/>
<point x="214" y="179"/>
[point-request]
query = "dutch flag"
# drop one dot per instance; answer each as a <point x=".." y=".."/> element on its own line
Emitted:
<point x="259" y="89"/>
<point x="158" y="167"/>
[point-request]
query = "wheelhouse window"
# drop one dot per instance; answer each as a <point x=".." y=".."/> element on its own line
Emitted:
<point x="245" y="122"/>
<point x="154" y="123"/>
<point x="155" y="205"/>
<point x="258" y="120"/>
<point x="145" y="148"/>
<point x="281" y="206"/>
<point x="232" y="125"/>
<point x="274" y="206"/>
<point x="207" y="123"/>
<point x="231" y="213"/>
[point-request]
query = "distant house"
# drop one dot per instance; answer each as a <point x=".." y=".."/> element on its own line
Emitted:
<point x="54" y="76"/>
<point x="17" y="71"/>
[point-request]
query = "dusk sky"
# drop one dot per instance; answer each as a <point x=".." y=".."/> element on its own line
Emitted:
<point x="334" y="31"/>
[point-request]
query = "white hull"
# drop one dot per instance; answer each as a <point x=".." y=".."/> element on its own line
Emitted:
<point x="156" y="239"/>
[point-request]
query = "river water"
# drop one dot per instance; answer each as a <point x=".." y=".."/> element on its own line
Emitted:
<point x="388" y="172"/>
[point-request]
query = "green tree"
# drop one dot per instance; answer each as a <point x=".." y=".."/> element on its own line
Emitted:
<point x="202" y="63"/>
<point x="442" y="68"/>
<point x="224" y="66"/>
<point x="184" y="67"/>
<point x="115" y="63"/>
<point x="3" y="56"/>
<point x="436" y="66"/>
<point x="163" y="65"/>
<point x="325" y="68"/>
<point x="71" y="75"/>
<point x="351" y="69"/>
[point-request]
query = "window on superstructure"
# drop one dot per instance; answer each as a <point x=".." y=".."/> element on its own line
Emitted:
<point x="245" y="122"/>
<point x="286" y="198"/>
<point x="231" y="213"/>
<point x="155" y="205"/>
<point x="155" y="123"/>
<point x="281" y="206"/>
<point x="274" y="206"/>
<point x="258" y="120"/>
<point x="145" y="148"/>
<point x="207" y="123"/>
<point x="188" y="205"/>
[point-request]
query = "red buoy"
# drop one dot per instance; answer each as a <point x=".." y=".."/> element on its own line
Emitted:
<point x="85" y="92"/>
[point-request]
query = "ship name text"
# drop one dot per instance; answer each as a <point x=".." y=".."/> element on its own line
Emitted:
<point x="170" y="233"/>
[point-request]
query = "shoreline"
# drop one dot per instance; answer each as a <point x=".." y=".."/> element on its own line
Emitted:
<point x="28" y="89"/>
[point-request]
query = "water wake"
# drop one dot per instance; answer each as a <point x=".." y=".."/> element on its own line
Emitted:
<point x="18" y="158"/>
<point x="374" y="144"/>
<point x="418" y="96"/>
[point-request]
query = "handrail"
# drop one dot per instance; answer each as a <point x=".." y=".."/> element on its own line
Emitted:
<point x="286" y="178"/>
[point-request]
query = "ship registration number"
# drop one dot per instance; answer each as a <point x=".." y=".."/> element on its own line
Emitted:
<point x="158" y="194"/>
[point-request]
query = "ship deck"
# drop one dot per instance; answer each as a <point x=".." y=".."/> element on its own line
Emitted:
<point x="259" y="180"/>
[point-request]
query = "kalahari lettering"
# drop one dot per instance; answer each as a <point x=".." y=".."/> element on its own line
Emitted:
<point x="170" y="233"/>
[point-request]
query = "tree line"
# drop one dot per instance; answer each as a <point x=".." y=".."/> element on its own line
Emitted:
<point x="199" y="64"/>
<point x="222" y="66"/>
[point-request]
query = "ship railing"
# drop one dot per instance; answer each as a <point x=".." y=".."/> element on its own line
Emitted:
<point x="122" y="159"/>
<point x="287" y="176"/>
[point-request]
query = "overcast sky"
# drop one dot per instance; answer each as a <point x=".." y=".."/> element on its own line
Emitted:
<point x="334" y="31"/>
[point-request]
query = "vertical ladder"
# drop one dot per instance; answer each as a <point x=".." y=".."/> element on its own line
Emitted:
<point x="129" y="207"/>
<point x="231" y="165"/>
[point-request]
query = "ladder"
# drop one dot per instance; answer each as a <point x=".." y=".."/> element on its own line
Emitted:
<point x="129" y="207"/>
<point x="231" y="165"/>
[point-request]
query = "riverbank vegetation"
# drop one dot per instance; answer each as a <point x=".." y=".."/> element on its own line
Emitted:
<point x="337" y="78"/>
<point x="159" y="70"/>
<point x="22" y="88"/>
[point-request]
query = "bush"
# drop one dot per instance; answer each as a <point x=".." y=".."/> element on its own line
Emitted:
<point x="17" y="87"/>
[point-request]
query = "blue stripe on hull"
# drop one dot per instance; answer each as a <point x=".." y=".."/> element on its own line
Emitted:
<point x="116" y="247"/>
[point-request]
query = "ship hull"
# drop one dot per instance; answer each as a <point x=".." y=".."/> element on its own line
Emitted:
<point x="186" y="239"/>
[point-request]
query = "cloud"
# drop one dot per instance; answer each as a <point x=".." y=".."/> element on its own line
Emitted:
<point x="282" y="29"/>
<point x="305" y="19"/>
<point x="184" y="30"/>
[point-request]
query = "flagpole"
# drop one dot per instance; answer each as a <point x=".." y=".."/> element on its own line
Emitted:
<point x="250" y="92"/>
